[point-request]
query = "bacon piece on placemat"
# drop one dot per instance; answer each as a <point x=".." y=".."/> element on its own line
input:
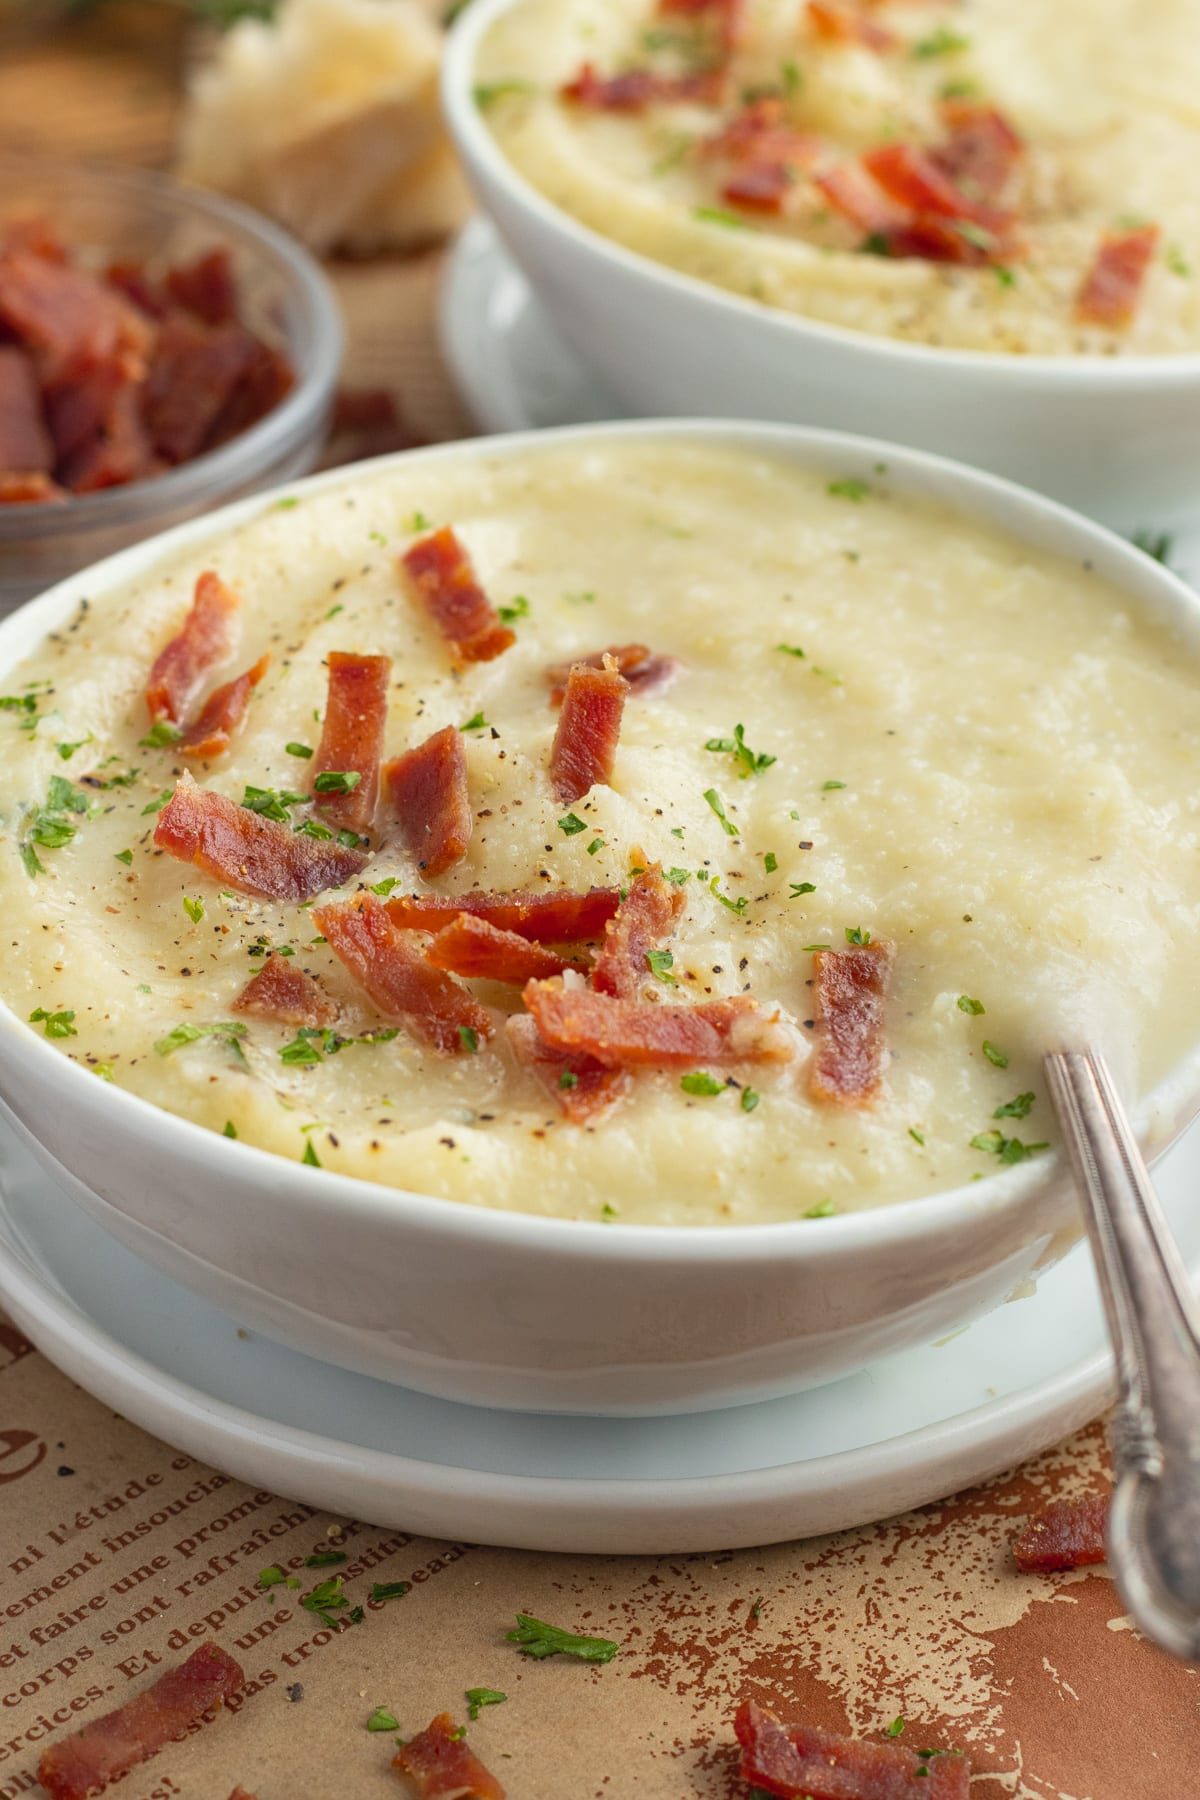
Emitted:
<point x="589" y="728"/>
<point x="25" y="443"/>
<point x="1067" y="1534"/>
<point x="1112" y="286"/>
<point x="636" y="89"/>
<point x="440" y="1765"/>
<point x="211" y="732"/>
<point x="194" y="372"/>
<point x="207" y="286"/>
<point x="246" y="851"/>
<point x="351" y="740"/>
<point x="427" y="791"/>
<point x="204" y="642"/>
<point x="851" y="986"/>
<point x="645" y="917"/>
<point x="398" y="977"/>
<point x="645" y="672"/>
<point x="282" y="991"/>
<point x="85" y="1763"/>
<point x="444" y="581"/>
<point x="471" y="947"/>
<point x="585" y="1090"/>
<point x="636" y="1034"/>
<point x="981" y="149"/>
<point x="239" y="1793"/>
<point x="797" y="1761"/>
<point x="845" y="25"/>
<point x="559" y="917"/>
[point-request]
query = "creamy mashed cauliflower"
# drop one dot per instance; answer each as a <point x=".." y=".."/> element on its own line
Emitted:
<point x="980" y="756"/>
<point x="1103" y="95"/>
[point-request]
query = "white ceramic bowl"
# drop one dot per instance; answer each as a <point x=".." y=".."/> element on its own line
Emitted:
<point x="532" y="1313"/>
<point x="1119" y="438"/>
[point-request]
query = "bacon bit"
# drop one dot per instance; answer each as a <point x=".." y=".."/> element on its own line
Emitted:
<point x="645" y="672"/>
<point x="981" y="151"/>
<point x="269" y="378"/>
<point x="68" y="319"/>
<point x="23" y="490"/>
<point x="644" y="918"/>
<point x="936" y="240"/>
<point x="837" y="25"/>
<point x="440" y="1766"/>
<point x="595" y="1090"/>
<point x="555" y="918"/>
<point x="239" y="1793"/>
<point x="1112" y="286"/>
<point x="398" y="976"/>
<point x="1067" y="1534"/>
<point x="210" y="734"/>
<point x="427" y="790"/>
<point x="84" y="1763"/>
<point x="633" y="1034"/>
<point x="912" y="177"/>
<point x="794" y="1760"/>
<point x="245" y="851"/>
<point x="470" y="946"/>
<point x="131" y="279"/>
<point x="194" y="372"/>
<point x="25" y="444"/>
<point x="637" y="89"/>
<point x="352" y="737"/>
<point x="728" y="16"/>
<point x="850" y="991"/>
<point x="205" y="641"/>
<point x="589" y="727"/>
<point x="207" y="287"/>
<point x="851" y="191"/>
<point x="444" y="581"/>
<point x="282" y="991"/>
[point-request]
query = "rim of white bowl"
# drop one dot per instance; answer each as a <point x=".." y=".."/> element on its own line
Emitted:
<point x="478" y="144"/>
<point x="1028" y="516"/>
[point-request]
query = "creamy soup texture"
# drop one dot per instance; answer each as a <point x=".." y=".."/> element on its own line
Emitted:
<point x="981" y="756"/>
<point x="1099" y="96"/>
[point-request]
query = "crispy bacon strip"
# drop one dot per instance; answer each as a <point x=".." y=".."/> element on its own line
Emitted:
<point x="282" y="991"/>
<point x="194" y="373"/>
<point x="444" y="581"/>
<point x="211" y="732"/>
<point x="589" y="727"/>
<point x="25" y="443"/>
<point x="634" y="1034"/>
<point x="589" y="1091"/>
<point x="851" y="986"/>
<point x="352" y="738"/>
<point x="1067" y="1534"/>
<point x="440" y="1765"/>
<point x="637" y="89"/>
<point x="981" y="149"/>
<point x="70" y="321"/>
<point x="851" y="191"/>
<point x="913" y="179"/>
<point x="760" y="187"/>
<point x="88" y="1760"/>
<point x="427" y="791"/>
<point x="398" y="977"/>
<point x="207" y="287"/>
<point x="645" y="672"/>
<point x="470" y="946"/>
<point x="843" y="25"/>
<point x="245" y="851"/>
<point x="645" y="917"/>
<point x="205" y="641"/>
<point x="560" y="917"/>
<point x="801" y="1760"/>
<point x="1112" y="286"/>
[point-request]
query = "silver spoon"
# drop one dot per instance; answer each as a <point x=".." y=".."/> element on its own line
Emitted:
<point x="1154" y="1523"/>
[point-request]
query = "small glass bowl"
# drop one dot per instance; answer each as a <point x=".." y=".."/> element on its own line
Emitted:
<point x="110" y="216"/>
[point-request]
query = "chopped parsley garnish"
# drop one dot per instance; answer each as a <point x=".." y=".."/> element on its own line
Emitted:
<point x="327" y="1597"/>
<point x="274" y="1576"/>
<point x="349" y="840"/>
<point x="382" y="1720"/>
<point x="418" y="522"/>
<point x="734" y="906"/>
<point x="295" y="749"/>
<point x="287" y="503"/>
<point x="123" y="856"/>
<point x="540" y="1640"/>
<point x="486" y="93"/>
<point x="312" y="1043"/>
<point x="103" y="1070"/>
<point x="1006" y="277"/>
<point x="21" y="703"/>
<point x="850" y="489"/>
<point x="790" y="649"/>
<point x="1176" y="261"/>
<point x="583" y="599"/>
<point x="55" y="1024"/>
<point x="325" y="1559"/>
<point x="896" y="1727"/>
<point x="271" y="803"/>
<point x="125" y="780"/>
<point x="226" y="1031"/>
<point x="1008" y="1149"/>
<point x="975" y="1007"/>
<point x="770" y="862"/>
<point x="717" y="215"/>
<point x="389" y="1590"/>
<point x="678" y="876"/>
<point x="476" y="722"/>
<point x="313" y="828"/>
<point x="918" y="1137"/>
<point x="996" y="1057"/>
<point x="1020" y="1108"/>
<point x="385" y="886"/>
<point x="718" y="806"/>
<point x="750" y="1099"/>
<point x="700" y="1082"/>
<point x="596" y="844"/>
<point x="334" y="611"/>
<point x="943" y="42"/>
<point x="808" y="947"/>
<point x="660" y="963"/>
<point x="156" y="806"/>
<point x="194" y="909"/>
<point x="607" y="1211"/>
<point x="800" y="888"/>
<point x="517" y="608"/>
<point x="160" y="735"/>
<point x="477" y="1697"/>
<point x="856" y="935"/>
<point x="748" y="763"/>
<point x="830" y="787"/>
<point x="1157" y="544"/>
<point x="571" y="824"/>
<point x="469" y="1038"/>
<point x="337" y="781"/>
<point x="567" y="1080"/>
<point x="230" y="1130"/>
<point x="824" y="1209"/>
<point x="51" y="826"/>
<point x="67" y="751"/>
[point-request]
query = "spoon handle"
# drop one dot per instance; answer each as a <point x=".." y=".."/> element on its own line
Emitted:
<point x="1154" y="1525"/>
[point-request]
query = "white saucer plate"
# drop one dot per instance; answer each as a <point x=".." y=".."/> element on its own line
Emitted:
<point x="907" y="1430"/>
